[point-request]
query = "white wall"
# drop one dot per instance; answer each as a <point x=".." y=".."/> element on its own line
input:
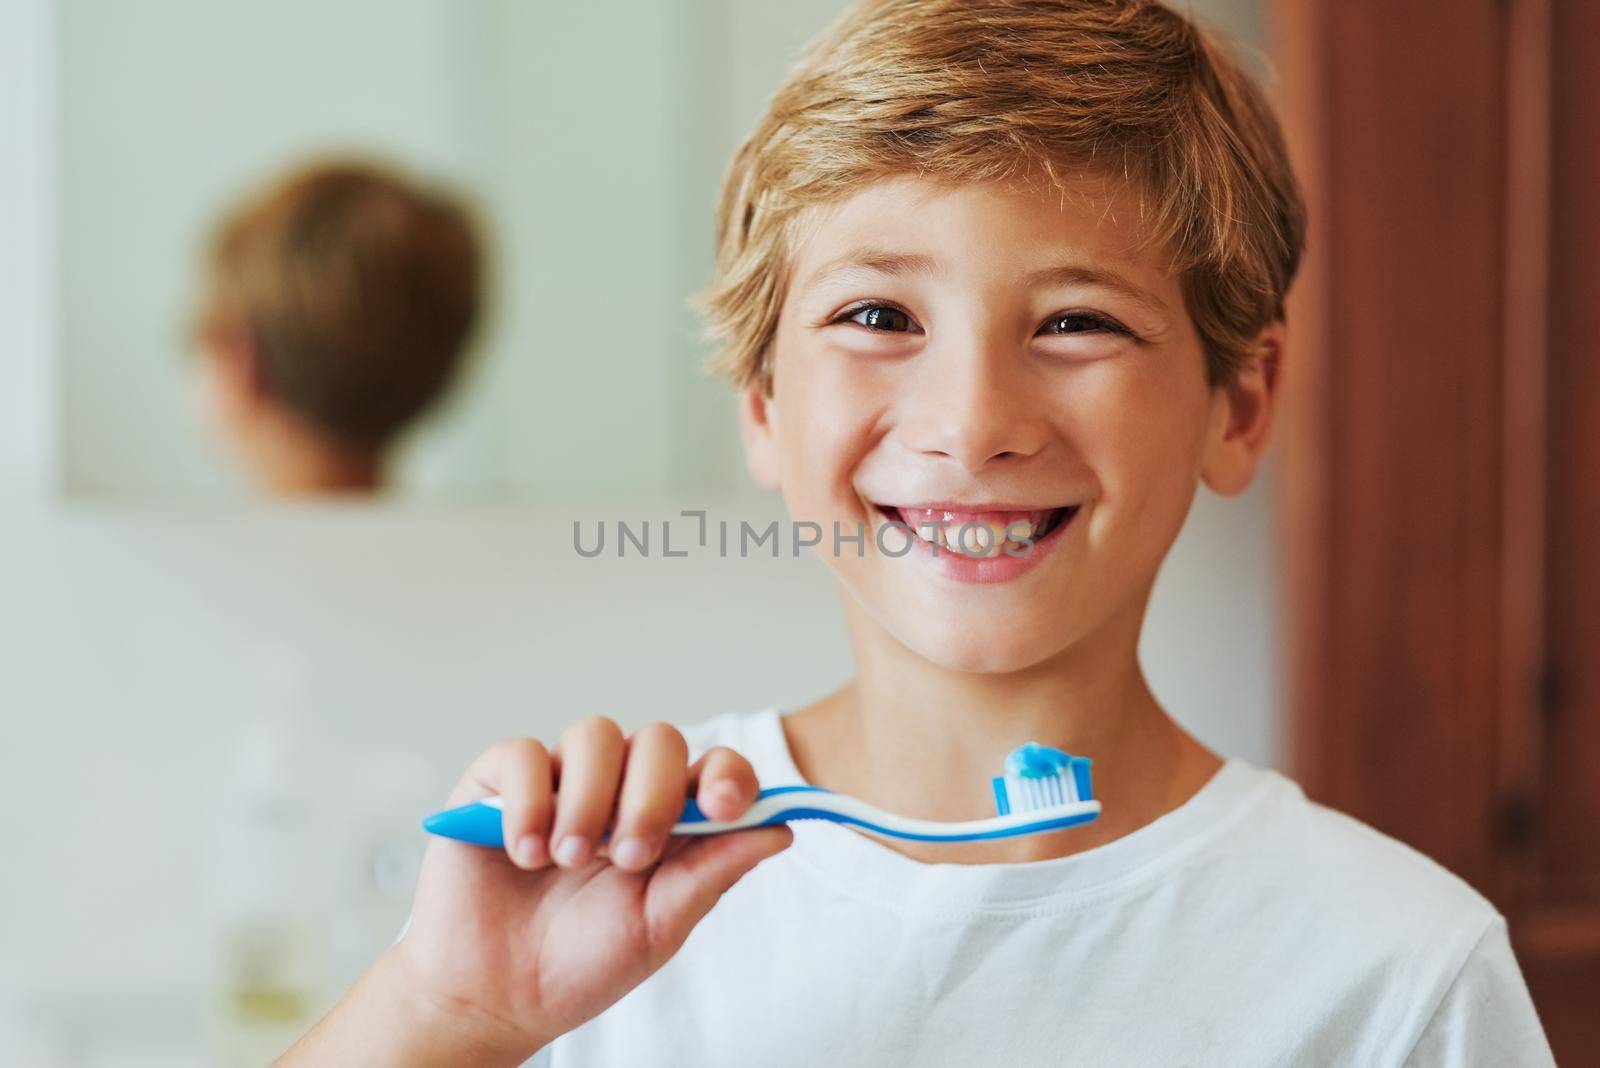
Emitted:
<point x="128" y="639"/>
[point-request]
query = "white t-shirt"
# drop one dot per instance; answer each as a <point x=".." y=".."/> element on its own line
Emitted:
<point x="1249" y="926"/>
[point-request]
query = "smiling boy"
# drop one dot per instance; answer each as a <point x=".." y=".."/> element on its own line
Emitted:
<point x="1013" y="266"/>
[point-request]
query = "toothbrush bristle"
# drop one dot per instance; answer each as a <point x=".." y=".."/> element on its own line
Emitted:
<point x="1038" y="777"/>
<point x="1029" y="794"/>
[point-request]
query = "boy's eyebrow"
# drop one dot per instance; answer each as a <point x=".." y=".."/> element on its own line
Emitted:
<point x="875" y="260"/>
<point x="879" y="261"/>
<point x="1073" y="274"/>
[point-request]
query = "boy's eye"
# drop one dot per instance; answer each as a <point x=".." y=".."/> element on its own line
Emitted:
<point x="1082" y="323"/>
<point x="881" y="317"/>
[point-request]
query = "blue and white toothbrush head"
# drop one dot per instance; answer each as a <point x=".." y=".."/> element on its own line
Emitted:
<point x="1039" y="777"/>
<point x="1042" y="790"/>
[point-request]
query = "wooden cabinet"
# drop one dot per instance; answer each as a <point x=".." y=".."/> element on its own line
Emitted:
<point x="1441" y="463"/>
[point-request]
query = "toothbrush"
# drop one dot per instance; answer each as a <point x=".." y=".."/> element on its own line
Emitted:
<point x="1042" y="789"/>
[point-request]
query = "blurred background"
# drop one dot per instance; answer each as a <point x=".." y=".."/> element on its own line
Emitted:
<point x="222" y="711"/>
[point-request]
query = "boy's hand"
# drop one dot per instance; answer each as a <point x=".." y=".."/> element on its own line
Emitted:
<point x="525" y="949"/>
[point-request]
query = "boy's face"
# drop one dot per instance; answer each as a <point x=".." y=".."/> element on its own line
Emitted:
<point x="989" y="357"/>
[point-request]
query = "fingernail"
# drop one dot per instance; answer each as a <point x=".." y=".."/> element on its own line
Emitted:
<point x="631" y="854"/>
<point x="571" y="851"/>
<point x="530" y="851"/>
<point x="726" y="794"/>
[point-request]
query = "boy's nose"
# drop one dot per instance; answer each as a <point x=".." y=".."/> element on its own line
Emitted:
<point x="973" y="409"/>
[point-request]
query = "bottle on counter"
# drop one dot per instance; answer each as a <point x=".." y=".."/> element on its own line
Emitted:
<point x="269" y="930"/>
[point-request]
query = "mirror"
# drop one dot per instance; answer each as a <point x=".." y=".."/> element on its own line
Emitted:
<point x="587" y="139"/>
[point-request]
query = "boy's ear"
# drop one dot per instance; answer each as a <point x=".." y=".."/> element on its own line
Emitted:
<point x="1241" y="417"/>
<point x="758" y="429"/>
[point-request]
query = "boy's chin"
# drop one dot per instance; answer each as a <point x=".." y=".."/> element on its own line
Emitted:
<point x="957" y="648"/>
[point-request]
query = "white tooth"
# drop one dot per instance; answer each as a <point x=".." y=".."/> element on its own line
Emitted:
<point x="950" y="536"/>
<point x="997" y="539"/>
<point x="929" y="533"/>
<point x="1019" y="530"/>
<point x="981" y="539"/>
<point x="974" y="538"/>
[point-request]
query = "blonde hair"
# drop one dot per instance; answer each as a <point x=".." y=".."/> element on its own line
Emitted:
<point x="357" y="288"/>
<point x="1005" y="91"/>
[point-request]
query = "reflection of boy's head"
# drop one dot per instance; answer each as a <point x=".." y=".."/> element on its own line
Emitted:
<point x="342" y="297"/>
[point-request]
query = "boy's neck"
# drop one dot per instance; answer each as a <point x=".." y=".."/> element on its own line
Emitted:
<point x="289" y="459"/>
<point x="920" y="740"/>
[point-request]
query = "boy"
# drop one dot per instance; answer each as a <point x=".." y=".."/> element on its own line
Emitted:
<point x="1018" y="266"/>
<point x="339" y="302"/>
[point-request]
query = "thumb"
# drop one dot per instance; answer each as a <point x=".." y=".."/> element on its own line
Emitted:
<point x="685" y="886"/>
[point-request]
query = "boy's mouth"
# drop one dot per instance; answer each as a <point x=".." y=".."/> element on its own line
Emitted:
<point x="981" y="531"/>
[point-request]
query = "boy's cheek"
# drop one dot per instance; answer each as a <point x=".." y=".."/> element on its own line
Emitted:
<point x="822" y="453"/>
<point x="1141" y="430"/>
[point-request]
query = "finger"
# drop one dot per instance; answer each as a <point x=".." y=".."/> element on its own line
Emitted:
<point x="693" y="878"/>
<point x="590" y="754"/>
<point x="724" y="784"/>
<point x="518" y="770"/>
<point x="482" y="777"/>
<point x="526" y="802"/>
<point x="654" y="783"/>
